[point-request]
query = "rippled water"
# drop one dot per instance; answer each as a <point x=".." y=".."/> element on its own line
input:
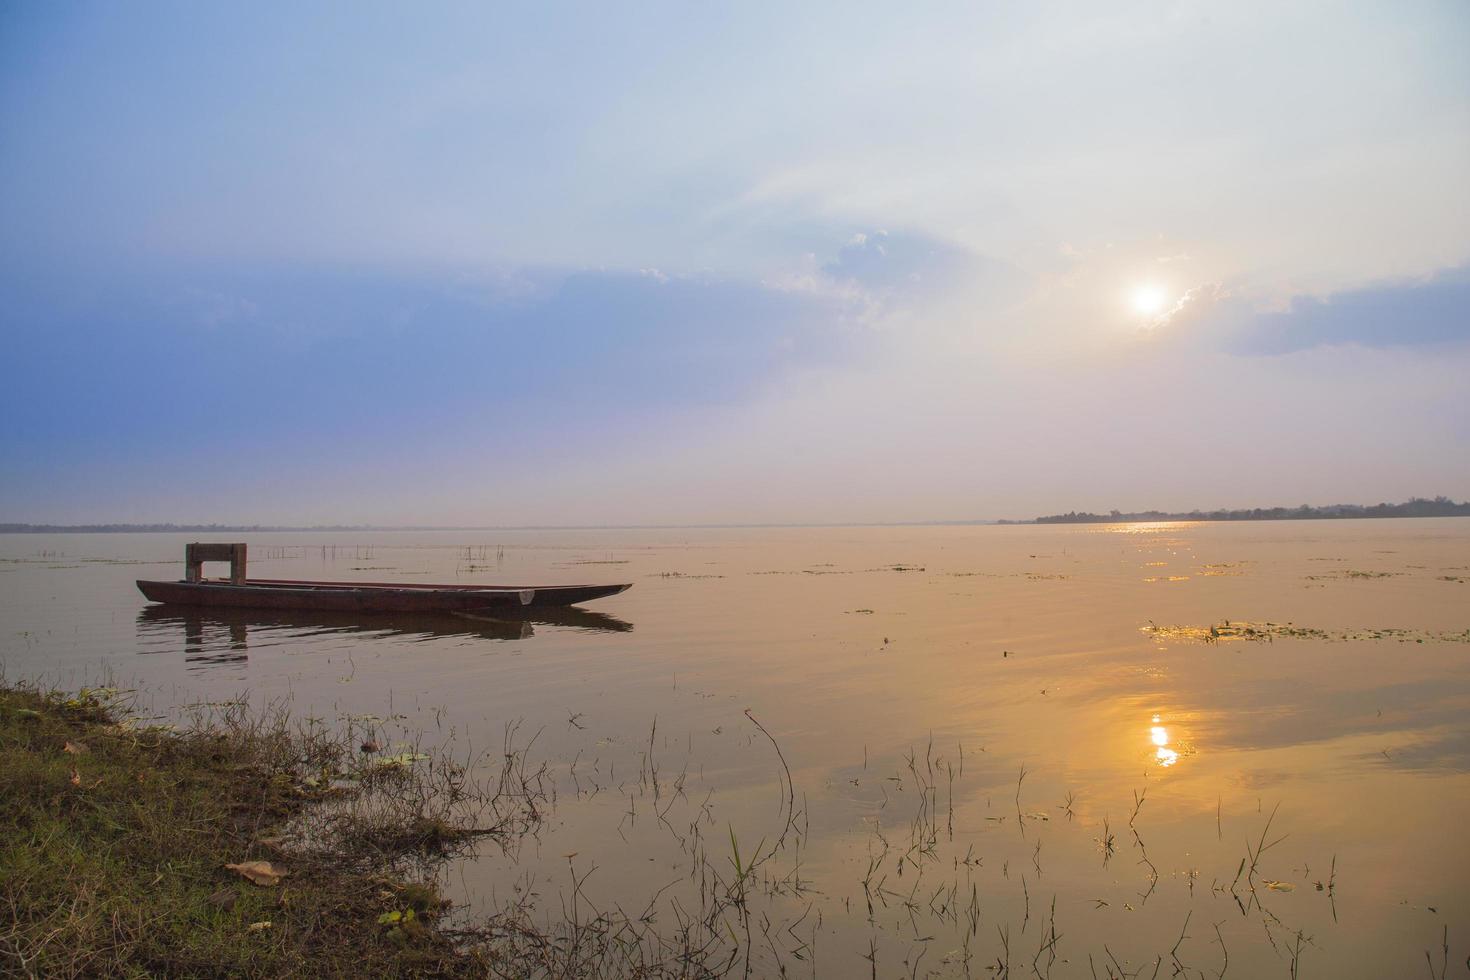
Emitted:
<point x="996" y="735"/>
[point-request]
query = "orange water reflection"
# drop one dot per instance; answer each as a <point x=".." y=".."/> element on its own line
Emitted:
<point x="1017" y="649"/>
<point x="1163" y="755"/>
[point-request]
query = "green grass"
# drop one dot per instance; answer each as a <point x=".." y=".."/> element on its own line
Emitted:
<point x="112" y="854"/>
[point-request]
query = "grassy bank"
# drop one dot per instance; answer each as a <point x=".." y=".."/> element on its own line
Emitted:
<point x="115" y="839"/>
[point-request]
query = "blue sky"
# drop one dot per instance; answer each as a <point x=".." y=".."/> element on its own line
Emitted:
<point x="581" y="264"/>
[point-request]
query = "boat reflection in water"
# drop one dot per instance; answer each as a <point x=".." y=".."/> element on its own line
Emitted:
<point x="214" y="636"/>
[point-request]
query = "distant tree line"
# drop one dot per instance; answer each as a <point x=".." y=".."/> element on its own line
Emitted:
<point x="1414" y="507"/>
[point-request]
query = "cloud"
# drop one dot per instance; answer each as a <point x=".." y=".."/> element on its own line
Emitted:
<point x="292" y="356"/>
<point x="1415" y="313"/>
<point x="885" y="262"/>
<point x="904" y="276"/>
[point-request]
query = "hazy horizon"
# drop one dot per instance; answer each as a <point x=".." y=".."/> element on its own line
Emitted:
<point x="578" y="266"/>
<point x="1124" y="515"/>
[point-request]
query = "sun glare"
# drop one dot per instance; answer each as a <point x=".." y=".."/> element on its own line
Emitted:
<point x="1149" y="300"/>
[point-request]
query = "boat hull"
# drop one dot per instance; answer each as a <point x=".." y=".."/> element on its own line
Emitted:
<point x="369" y="597"/>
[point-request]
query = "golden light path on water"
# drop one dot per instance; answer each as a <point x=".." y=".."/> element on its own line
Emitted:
<point x="1160" y="737"/>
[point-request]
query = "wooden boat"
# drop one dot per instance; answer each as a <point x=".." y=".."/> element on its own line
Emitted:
<point x="237" y="591"/>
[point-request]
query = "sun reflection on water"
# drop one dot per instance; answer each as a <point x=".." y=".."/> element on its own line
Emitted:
<point x="1163" y="755"/>
<point x="1145" y="527"/>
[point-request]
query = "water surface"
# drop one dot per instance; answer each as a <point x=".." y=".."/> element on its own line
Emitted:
<point x="997" y="736"/>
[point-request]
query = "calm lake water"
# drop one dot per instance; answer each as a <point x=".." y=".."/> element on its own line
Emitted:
<point x="999" y="738"/>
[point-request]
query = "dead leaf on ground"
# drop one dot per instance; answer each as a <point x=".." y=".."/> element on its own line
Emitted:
<point x="259" y="872"/>
<point x="258" y="926"/>
<point x="75" y="748"/>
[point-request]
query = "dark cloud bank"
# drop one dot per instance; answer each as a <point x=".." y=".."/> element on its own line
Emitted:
<point x="1433" y="311"/>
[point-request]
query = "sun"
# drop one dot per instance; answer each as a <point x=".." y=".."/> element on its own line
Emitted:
<point x="1149" y="300"/>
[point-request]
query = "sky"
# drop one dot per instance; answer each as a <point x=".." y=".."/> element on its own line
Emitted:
<point x="567" y="264"/>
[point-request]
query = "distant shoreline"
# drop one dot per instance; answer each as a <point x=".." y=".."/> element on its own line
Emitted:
<point x="1415" y="507"/>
